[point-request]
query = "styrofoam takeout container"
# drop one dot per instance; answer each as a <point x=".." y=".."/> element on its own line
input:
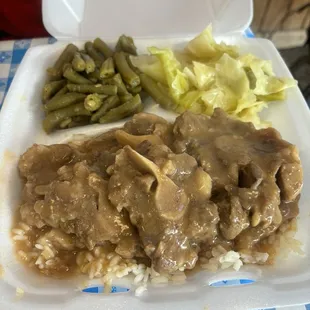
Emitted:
<point x="164" y="24"/>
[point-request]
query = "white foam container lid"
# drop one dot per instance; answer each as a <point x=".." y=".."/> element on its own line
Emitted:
<point x="164" y="24"/>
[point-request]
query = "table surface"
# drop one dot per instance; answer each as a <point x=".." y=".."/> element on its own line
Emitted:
<point x="11" y="55"/>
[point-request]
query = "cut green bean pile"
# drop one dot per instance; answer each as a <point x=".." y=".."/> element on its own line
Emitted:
<point x="93" y="85"/>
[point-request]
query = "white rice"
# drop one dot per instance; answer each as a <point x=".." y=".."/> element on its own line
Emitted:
<point x="17" y="231"/>
<point x="140" y="290"/>
<point x="138" y="278"/>
<point x="154" y="273"/>
<point x="22" y="254"/>
<point x="146" y="275"/>
<point x="33" y="254"/>
<point x="48" y="252"/>
<point x="111" y="265"/>
<point x="107" y="266"/>
<point x="50" y="262"/>
<point x="110" y="256"/>
<point x="20" y="292"/>
<point x="24" y="226"/>
<point x="115" y="260"/>
<point x="89" y="257"/>
<point x="39" y="261"/>
<point x="97" y="251"/>
<point x="39" y="246"/>
<point x="283" y="241"/>
<point x="254" y="258"/>
<point x="19" y="238"/>
<point x="159" y="280"/>
<point x="223" y="259"/>
<point x="218" y="251"/>
<point x="230" y="259"/>
<point x="122" y="273"/>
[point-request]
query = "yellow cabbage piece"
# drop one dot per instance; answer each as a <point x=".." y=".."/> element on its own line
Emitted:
<point x="210" y="75"/>
<point x="177" y="81"/>
<point x="230" y="74"/>
<point x="247" y="101"/>
<point x="251" y="114"/>
<point x="191" y="77"/>
<point x="191" y="101"/>
<point x="248" y="60"/>
<point x="200" y="75"/>
<point x="205" y="75"/>
<point x="214" y="98"/>
<point x="151" y="66"/>
<point x="281" y="95"/>
<point x="204" y="46"/>
<point x="262" y="76"/>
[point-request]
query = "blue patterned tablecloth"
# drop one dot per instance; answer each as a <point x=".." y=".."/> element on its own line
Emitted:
<point x="11" y="55"/>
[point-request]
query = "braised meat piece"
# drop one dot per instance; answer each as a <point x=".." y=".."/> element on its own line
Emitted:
<point x="172" y="219"/>
<point x="160" y="192"/>
<point x="251" y="169"/>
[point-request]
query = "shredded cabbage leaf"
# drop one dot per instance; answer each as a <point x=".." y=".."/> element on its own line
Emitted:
<point x="230" y="74"/>
<point x="208" y="75"/>
<point x="204" y="46"/>
<point x="151" y="66"/>
<point x="176" y="79"/>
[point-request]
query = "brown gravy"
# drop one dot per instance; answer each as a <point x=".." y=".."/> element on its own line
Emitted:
<point x="158" y="193"/>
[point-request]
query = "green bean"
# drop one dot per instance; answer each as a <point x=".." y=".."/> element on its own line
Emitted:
<point x="106" y="81"/>
<point x="94" y="54"/>
<point x="81" y="118"/>
<point x="55" y="72"/>
<point x="126" y="109"/>
<point x="133" y="68"/>
<point x="93" y="102"/>
<point x="102" y="47"/>
<point x="107" y="105"/>
<point x="79" y="121"/>
<point x="54" y="118"/>
<point x="135" y="90"/>
<point x="90" y="65"/>
<point x="78" y="63"/>
<point x="107" y="68"/>
<point x="94" y="76"/>
<point x="251" y="77"/>
<point x="121" y="88"/>
<point x="65" y="67"/>
<point x="161" y="97"/>
<point x="51" y="88"/>
<point x="75" y="77"/>
<point x="76" y="124"/>
<point x="63" y="101"/>
<point x="126" y="44"/>
<point x="61" y="92"/>
<point x="93" y="80"/>
<point x="103" y="96"/>
<point x="129" y="76"/>
<point x="126" y="97"/>
<point x="89" y="89"/>
<point x="65" y="123"/>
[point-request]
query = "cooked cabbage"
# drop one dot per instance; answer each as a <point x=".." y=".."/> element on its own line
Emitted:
<point x="209" y="75"/>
